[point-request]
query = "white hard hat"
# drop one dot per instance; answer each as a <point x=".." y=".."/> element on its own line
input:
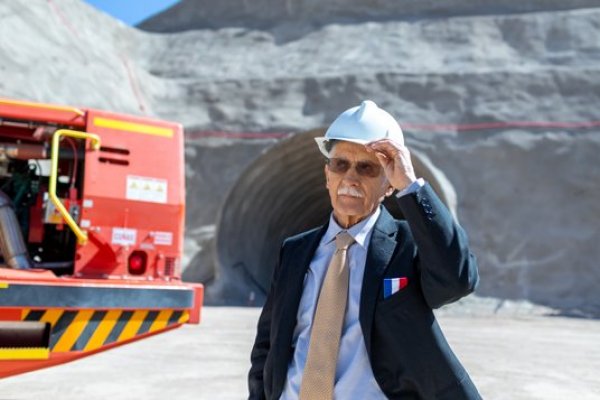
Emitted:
<point x="362" y="124"/>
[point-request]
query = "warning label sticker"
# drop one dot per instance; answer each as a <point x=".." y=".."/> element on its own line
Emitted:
<point x="146" y="189"/>
<point x="163" y="238"/>
<point x="124" y="236"/>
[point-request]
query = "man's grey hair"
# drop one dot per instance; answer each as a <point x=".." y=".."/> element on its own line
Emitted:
<point x="329" y="145"/>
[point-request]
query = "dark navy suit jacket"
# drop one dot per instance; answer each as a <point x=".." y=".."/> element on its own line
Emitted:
<point x="407" y="350"/>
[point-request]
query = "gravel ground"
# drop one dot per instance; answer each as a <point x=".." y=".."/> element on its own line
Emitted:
<point x="512" y="358"/>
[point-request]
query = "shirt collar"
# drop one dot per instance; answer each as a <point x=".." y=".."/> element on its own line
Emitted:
<point x="359" y="231"/>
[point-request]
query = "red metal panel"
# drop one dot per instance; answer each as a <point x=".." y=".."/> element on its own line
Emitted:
<point x="133" y="196"/>
<point x="10" y="314"/>
<point x="195" y="313"/>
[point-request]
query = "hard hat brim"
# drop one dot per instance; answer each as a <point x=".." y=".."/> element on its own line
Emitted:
<point x="322" y="140"/>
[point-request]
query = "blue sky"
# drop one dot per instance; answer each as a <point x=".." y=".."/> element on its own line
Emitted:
<point x="131" y="11"/>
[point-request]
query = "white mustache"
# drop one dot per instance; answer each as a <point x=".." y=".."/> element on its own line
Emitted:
<point x="350" y="191"/>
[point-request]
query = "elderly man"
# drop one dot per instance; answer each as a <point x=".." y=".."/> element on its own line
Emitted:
<point x="349" y="314"/>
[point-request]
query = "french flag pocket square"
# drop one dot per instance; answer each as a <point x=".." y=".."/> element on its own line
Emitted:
<point x="393" y="285"/>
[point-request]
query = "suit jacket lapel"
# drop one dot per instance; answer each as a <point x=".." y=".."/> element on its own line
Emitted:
<point x="380" y="252"/>
<point x="296" y="268"/>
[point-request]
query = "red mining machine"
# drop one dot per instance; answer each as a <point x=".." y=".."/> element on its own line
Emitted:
<point x="92" y="210"/>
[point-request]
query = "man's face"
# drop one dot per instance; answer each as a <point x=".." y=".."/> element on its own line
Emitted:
<point x="355" y="196"/>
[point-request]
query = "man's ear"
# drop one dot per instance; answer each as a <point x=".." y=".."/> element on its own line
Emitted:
<point x="389" y="191"/>
<point x="326" y="176"/>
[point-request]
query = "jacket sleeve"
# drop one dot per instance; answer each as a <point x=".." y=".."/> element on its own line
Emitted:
<point x="262" y="344"/>
<point x="448" y="268"/>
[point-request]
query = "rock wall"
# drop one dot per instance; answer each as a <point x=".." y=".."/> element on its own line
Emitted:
<point x="264" y="14"/>
<point x="239" y="78"/>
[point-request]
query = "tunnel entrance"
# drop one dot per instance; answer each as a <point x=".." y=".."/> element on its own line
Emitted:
<point x="281" y="194"/>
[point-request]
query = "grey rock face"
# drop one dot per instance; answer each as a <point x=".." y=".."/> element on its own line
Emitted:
<point x="250" y="73"/>
<point x="526" y="200"/>
<point x="264" y="14"/>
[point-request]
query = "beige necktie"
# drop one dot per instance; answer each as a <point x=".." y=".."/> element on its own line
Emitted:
<point x="319" y="371"/>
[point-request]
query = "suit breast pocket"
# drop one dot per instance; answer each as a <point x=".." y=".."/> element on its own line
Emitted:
<point x="406" y="303"/>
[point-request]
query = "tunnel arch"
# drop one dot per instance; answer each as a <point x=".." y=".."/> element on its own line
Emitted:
<point x="283" y="193"/>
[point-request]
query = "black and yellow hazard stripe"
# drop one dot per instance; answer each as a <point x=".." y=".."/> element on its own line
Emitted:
<point x="91" y="329"/>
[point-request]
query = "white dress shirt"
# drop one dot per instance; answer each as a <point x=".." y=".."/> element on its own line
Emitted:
<point x="354" y="376"/>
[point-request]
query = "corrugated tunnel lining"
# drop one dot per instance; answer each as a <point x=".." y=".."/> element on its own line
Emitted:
<point x="281" y="194"/>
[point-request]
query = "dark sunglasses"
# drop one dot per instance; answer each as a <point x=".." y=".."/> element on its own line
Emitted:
<point x="363" y="168"/>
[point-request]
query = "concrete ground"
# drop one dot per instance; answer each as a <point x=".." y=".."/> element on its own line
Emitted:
<point x="509" y="358"/>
